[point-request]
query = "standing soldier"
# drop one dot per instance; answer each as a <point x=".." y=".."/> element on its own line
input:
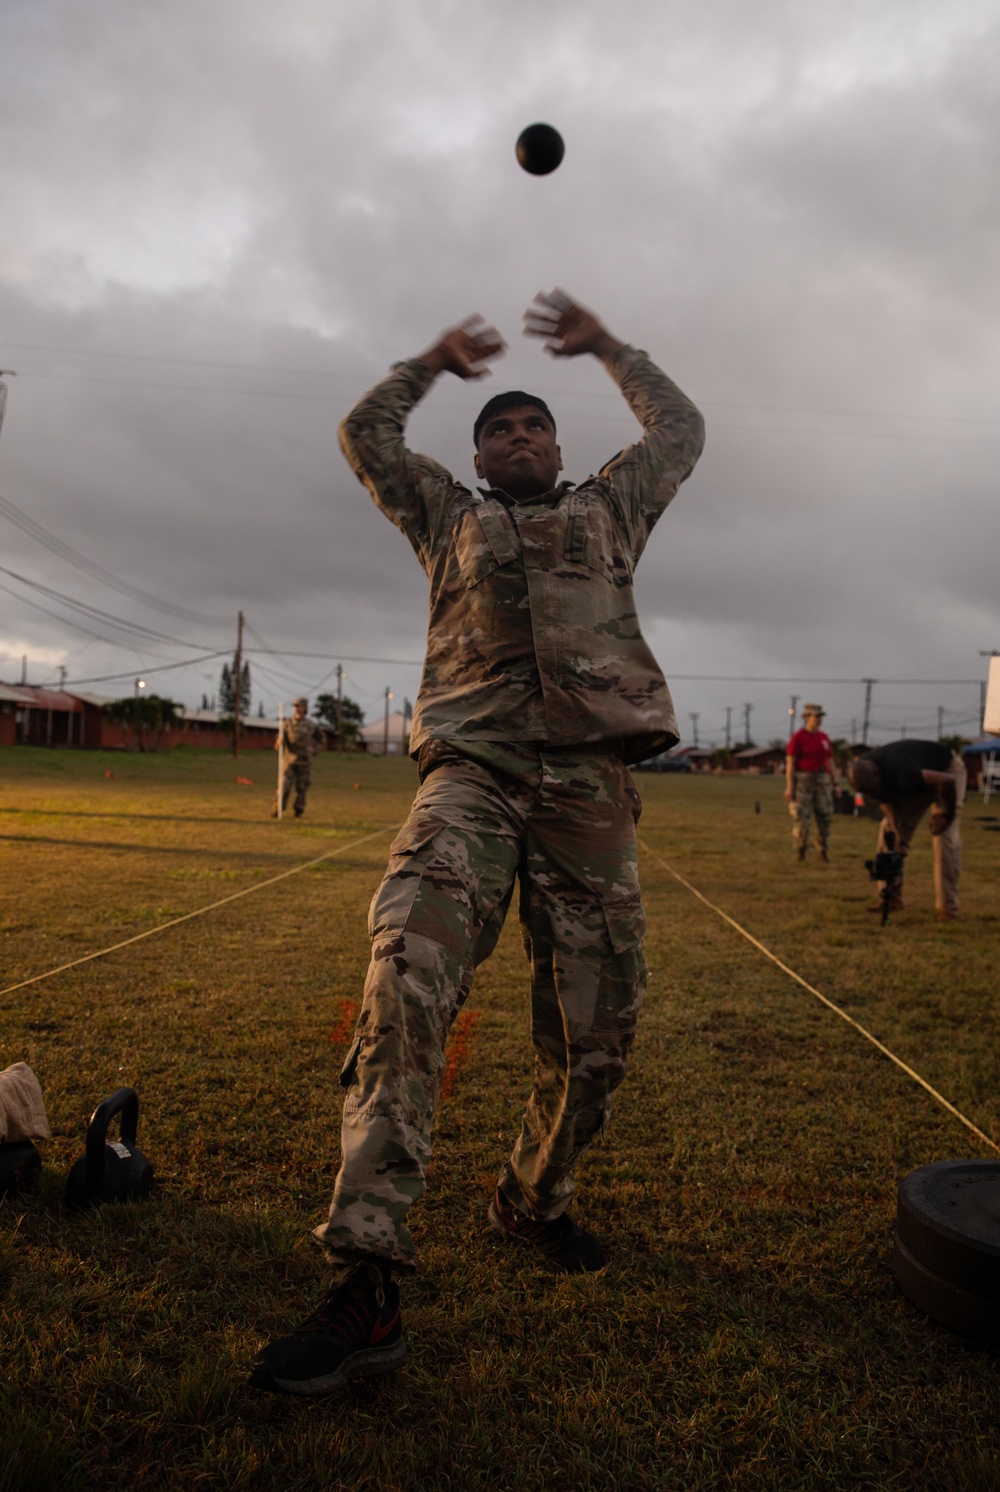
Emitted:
<point x="538" y="688"/>
<point x="301" y="739"/>
<point x="810" y="778"/>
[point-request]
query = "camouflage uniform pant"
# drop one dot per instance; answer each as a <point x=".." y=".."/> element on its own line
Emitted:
<point x="813" y="795"/>
<point x="297" y="774"/>
<point x="905" y="814"/>
<point x="563" y="824"/>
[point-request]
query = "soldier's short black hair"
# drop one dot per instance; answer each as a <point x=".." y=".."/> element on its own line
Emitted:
<point x="511" y="400"/>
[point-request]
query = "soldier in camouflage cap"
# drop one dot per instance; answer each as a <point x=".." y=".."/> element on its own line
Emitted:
<point x="300" y="739"/>
<point x="538" y="689"/>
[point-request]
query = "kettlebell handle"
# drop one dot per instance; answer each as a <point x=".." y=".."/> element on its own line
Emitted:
<point x="124" y="1102"/>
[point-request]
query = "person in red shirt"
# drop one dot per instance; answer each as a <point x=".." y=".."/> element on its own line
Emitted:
<point x="810" y="778"/>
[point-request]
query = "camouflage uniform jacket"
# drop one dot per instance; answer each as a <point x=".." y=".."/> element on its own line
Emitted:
<point x="302" y="738"/>
<point x="533" y="632"/>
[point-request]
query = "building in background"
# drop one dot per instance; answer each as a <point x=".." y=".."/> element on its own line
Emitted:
<point x="54" y="717"/>
<point x="395" y="741"/>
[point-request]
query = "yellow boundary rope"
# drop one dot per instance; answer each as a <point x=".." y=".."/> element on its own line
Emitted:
<point x="938" y="1097"/>
<point x="342" y="849"/>
<point x="199" y="911"/>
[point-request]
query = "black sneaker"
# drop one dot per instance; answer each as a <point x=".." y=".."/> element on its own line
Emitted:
<point x="354" y="1332"/>
<point x="566" y="1246"/>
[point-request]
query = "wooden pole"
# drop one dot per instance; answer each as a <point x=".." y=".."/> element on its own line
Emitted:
<point x="281" y="756"/>
<point x="340" y="707"/>
<point x="238" y="694"/>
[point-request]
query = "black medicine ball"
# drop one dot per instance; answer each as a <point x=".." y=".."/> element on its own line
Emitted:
<point x="540" y="149"/>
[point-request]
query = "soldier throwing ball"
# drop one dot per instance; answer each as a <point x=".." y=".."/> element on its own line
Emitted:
<point x="301" y="738"/>
<point x="538" y="688"/>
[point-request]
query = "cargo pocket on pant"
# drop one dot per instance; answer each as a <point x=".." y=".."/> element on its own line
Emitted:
<point x="623" y="976"/>
<point x="392" y="901"/>
<point x="349" y="1070"/>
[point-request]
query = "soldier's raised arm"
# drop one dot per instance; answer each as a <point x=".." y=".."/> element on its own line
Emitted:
<point x="644" y="476"/>
<point x="409" y="488"/>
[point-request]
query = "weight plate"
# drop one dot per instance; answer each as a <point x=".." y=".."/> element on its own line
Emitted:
<point x="948" y="1220"/>
<point x="961" y="1311"/>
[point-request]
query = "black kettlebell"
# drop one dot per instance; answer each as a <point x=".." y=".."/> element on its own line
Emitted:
<point x="115" y="1172"/>
<point x="20" y="1164"/>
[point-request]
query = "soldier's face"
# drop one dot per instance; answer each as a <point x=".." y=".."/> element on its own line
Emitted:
<point x="518" y="452"/>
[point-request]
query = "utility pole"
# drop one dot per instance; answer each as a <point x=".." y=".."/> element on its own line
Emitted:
<point x="238" y="695"/>
<point x="940" y="722"/>
<point x="869" y="684"/>
<point x="729" y="719"/>
<point x="385" y="728"/>
<point x="791" y="714"/>
<point x="746" y="724"/>
<point x="694" y="727"/>
<point x="854" y="730"/>
<point x="340" y="707"/>
<point x="62" y="675"/>
<point x="24" y="668"/>
<point x="982" y="707"/>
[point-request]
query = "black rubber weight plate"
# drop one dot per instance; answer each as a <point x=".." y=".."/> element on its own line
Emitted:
<point x="946" y="1251"/>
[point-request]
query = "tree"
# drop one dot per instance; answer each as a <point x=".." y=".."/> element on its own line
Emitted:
<point x="227" y="690"/>
<point x="228" y="697"/>
<point x="143" y="720"/>
<point x="352" y="716"/>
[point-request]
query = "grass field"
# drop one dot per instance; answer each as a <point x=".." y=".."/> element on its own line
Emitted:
<point x="747" y="1333"/>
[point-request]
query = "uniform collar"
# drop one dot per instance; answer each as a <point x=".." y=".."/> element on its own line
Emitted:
<point x="543" y="500"/>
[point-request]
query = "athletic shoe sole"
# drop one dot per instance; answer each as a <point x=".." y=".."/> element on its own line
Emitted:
<point x="371" y="1362"/>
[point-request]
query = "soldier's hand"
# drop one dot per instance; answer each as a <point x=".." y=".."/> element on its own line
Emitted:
<point x="566" y="327"/>
<point x="466" y="349"/>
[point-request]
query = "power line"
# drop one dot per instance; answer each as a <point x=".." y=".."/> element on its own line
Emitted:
<point x="358" y="375"/>
<point x="64" y="620"/>
<point x="58" y="546"/>
<point x="106" y="678"/>
<point x="344" y="657"/>
<point x="95" y="612"/>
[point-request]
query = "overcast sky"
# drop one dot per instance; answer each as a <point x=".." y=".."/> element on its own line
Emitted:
<point x="224" y="219"/>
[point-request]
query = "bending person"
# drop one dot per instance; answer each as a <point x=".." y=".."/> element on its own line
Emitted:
<point x="537" y="689"/>
<point x="907" y="778"/>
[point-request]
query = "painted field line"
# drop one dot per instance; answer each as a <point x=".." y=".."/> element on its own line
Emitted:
<point x="938" y="1097"/>
<point x="151" y="932"/>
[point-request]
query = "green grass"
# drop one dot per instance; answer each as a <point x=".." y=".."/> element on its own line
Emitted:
<point x="748" y="1332"/>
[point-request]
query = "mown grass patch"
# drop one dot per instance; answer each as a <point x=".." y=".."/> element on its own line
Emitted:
<point x="747" y="1334"/>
